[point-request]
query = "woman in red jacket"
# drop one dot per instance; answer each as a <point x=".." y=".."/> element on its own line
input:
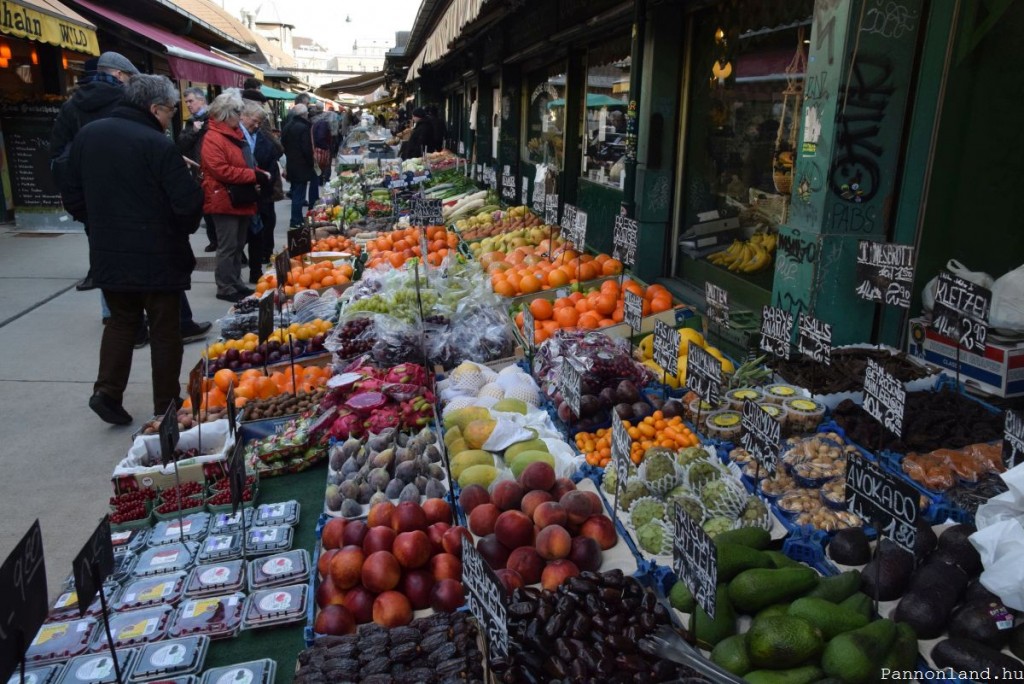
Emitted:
<point x="229" y="181"/>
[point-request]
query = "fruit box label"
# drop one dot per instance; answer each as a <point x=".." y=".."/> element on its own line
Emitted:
<point x="695" y="559"/>
<point x="884" y="397"/>
<point x="880" y="498"/>
<point x="885" y="272"/>
<point x="776" y="331"/>
<point x="761" y="437"/>
<point x="633" y="311"/>
<point x="486" y="599"/>
<point x="814" y="339"/>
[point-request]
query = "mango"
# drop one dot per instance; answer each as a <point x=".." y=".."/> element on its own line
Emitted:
<point x="519" y="447"/>
<point x="462" y="417"/>
<point x="510" y="406"/>
<point x="477" y="432"/>
<point x="469" y="458"/>
<point x="482" y="475"/>
<point x="452" y="435"/>
<point x="519" y="463"/>
<point x="457" y="447"/>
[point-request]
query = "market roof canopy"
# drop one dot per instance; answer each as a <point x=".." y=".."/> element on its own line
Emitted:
<point x="363" y="84"/>
<point x="188" y="61"/>
<point x="458" y="14"/>
<point x="48" y="21"/>
<point x="594" y="100"/>
<point x="275" y="94"/>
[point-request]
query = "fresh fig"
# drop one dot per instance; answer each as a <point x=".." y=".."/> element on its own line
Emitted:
<point x="378" y="497"/>
<point x="351" y="509"/>
<point x="409" y="493"/>
<point x="435" y="471"/>
<point x="383" y="459"/>
<point x="379" y="478"/>
<point x="433" y="453"/>
<point x="349" y="489"/>
<point x="394" y="488"/>
<point x="365" y="492"/>
<point x="435" y="490"/>
<point x="420" y="482"/>
<point x="406" y="472"/>
<point x="333" y="498"/>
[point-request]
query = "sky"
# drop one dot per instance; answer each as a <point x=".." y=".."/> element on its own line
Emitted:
<point x="325" y="21"/>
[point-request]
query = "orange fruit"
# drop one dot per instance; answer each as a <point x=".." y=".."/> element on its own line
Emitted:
<point x="250" y="373"/>
<point x="588" y="271"/>
<point x="529" y="284"/>
<point x="557" y="278"/>
<point x="606" y="304"/>
<point x="549" y="326"/>
<point x="504" y="288"/>
<point x="563" y="302"/>
<point x="660" y="303"/>
<point x="541" y="309"/>
<point x="224" y="378"/>
<point x="582" y="306"/>
<point x="589" y="320"/>
<point x="567" y="316"/>
<point x="611" y="267"/>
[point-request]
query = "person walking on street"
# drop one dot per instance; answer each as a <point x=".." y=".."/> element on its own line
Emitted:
<point x="266" y="151"/>
<point x="297" y="140"/>
<point x="189" y="138"/>
<point x="323" y="143"/>
<point x="127" y="181"/>
<point x="230" y="180"/>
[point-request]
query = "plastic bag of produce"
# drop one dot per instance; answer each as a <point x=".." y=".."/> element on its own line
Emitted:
<point x="1007" y="310"/>
<point x="1001" y="546"/>
<point x="959" y="270"/>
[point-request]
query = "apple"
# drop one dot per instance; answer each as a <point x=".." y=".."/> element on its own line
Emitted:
<point x="381" y="572"/>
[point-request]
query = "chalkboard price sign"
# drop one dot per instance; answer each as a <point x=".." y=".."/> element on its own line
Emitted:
<point x="695" y="559"/>
<point x="93" y="564"/>
<point x="282" y="268"/>
<point x="776" y="331"/>
<point x="961" y="311"/>
<point x="762" y="436"/>
<point x="625" y="234"/>
<point x="529" y="331"/>
<point x="569" y="380"/>
<point x="875" y="495"/>
<point x="524" y="191"/>
<point x="1013" y="439"/>
<point x="195" y="386"/>
<point x="885" y="272"/>
<point x="622" y="448"/>
<point x="169" y="434"/>
<point x="703" y="374"/>
<point x="551" y="209"/>
<point x="884" y="397"/>
<point x="633" y="310"/>
<point x="717" y="299"/>
<point x="579" y="234"/>
<point x="539" y="199"/>
<point x="486" y="600"/>
<point x="426" y="212"/>
<point x="509" y="191"/>
<point x="232" y="409"/>
<point x="265" y="322"/>
<point x="236" y="475"/>
<point x="23" y="602"/>
<point x="814" y="339"/>
<point x="569" y="222"/>
<point x="300" y="241"/>
<point x="27" y="139"/>
<point x="666" y="347"/>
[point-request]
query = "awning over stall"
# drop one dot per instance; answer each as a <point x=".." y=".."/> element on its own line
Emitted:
<point x="48" y="21"/>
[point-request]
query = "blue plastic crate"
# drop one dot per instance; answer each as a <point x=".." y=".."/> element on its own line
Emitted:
<point x="805" y="544"/>
<point x="314" y="583"/>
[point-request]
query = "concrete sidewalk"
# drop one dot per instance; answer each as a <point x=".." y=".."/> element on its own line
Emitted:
<point x="56" y="456"/>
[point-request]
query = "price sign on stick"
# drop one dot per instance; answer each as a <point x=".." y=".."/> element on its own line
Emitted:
<point x="625" y="233"/>
<point x="23" y="602"/>
<point x="524" y="191"/>
<point x="569" y="380"/>
<point x="1013" y="439"/>
<point x="551" y="209"/>
<point x="169" y="434"/>
<point x="885" y="272"/>
<point x="539" y="199"/>
<point x="874" y="494"/>
<point x="695" y="559"/>
<point x="633" y="310"/>
<point x="703" y="374"/>
<point x="231" y="409"/>
<point x="236" y="475"/>
<point x="282" y="267"/>
<point x="666" y="347"/>
<point x="776" y="331"/>
<point x="486" y="600"/>
<point x="579" y="235"/>
<point x="426" y="212"/>
<point x="717" y="299"/>
<point x="961" y="311"/>
<point x="509" y="191"/>
<point x="195" y="387"/>
<point x="265" y="322"/>
<point x="300" y="241"/>
<point x="622" y="448"/>
<point x="762" y="436"/>
<point x="814" y="339"/>
<point x="884" y="397"/>
<point x="569" y="223"/>
<point x="529" y="332"/>
<point x="93" y="564"/>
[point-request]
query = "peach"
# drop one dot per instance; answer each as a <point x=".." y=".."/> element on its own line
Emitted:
<point x="511" y="579"/>
<point x="538" y="475"/>
<point x="557" y="572"/>
<point x="378" y="539"/>
<point x="436" y="534"/>
<point x="437" y="511"/>
<point x="392" y="609"/>
<point x="327" y="594"/>
<point x="354" y="533"/>
<point x="473" y="496"/>
<point x="514" y="529"/>
<point x="446" y="566"/>
<point x="323" y="564"/>
<point x="507" y="495"/>
<point x="330" y="536"/>
<point x="380" y="514"/>
<point x="562" y="486"/>
<point x="412" y="549"/>
<point x="601" y="529"/>
<point x="381" y="572"/>
<point x="483" y="518"/>
<point x="454" y="538"/>
<point x="578" y="507"/>
<point x="408" y="516"/>
<point x="527" y="562"/>
<point x="533" y="499"/>
<point x="554" y="542"/>
<point x="550" y="513"/>
<point x="347" y="567"/>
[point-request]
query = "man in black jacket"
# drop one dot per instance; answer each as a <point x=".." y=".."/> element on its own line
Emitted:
<point x="128" y="182"/>
<point x="419" y="142"/>
<point x="297" y="140"/>
<point x="189" y="140"/>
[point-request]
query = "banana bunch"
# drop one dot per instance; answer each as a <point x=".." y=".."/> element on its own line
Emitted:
<point x="747" y="256"/>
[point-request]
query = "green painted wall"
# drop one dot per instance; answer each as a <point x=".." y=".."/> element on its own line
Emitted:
<point x="602" y="205"/>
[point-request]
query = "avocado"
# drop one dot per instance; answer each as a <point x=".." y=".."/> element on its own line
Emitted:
<point x="886" y="577"/>
<point x="859" y="603"/>
<point x="980" y="621"/>
<point x="782" y="641"/>
<point x="734" y="559"/>
<point x="850" y="547"/>
<point x="902" y="655"/>
<point x="976" y="591"/>
<point x="951" y="578"/>
<point x="681" y="598"/>
<point x="752" y="590"/>
<point x="967" y="655"/>
<point x="731" y="655"/>
<point x="798" y="675"/>
<point x="925" y="541"/>
<point x="925" y="611"/>
<point x="1017" y="641"/>
<point x="830" y="619"/>
<point x="855" y="656"/>
<point x="710" y="632"/>
<point x="776" y="609"/>
<point x="969" y="564"/>
<point x="837" y="588"/>
<point x="781" y="560"/>
<point x="754" y="537"/>
<point x="956" y="540"/>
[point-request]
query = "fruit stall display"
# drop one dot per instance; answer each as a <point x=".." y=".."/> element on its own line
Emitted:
<point x="514" y="222"/>
<point x="527" y="270"/>
<point x="494" y="248"/>
<point x="314" y="275"/>
<point x="396" y="247"/>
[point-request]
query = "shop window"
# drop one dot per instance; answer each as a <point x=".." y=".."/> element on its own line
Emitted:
<point x="604" y="112"/>
<point x="545" y="117"/>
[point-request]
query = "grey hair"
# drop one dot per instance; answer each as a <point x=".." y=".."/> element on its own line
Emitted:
<point x="253" y="108"/>
<point x="195" y="92"/>
<point x="300" y="110"/>
<point x="302" y="98"/>
<point x="145" y="90"/>
<point x="226" y="105"/>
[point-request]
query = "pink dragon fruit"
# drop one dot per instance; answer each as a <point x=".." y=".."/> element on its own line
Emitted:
<point x="346" y="425"/>
<point x="382" y="419"/>
<point x="411" y="373"/>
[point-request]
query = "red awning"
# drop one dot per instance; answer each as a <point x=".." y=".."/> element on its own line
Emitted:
<point x="188" y="61"/>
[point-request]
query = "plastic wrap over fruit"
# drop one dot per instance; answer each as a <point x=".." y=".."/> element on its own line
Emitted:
<point x="602" y="358"/>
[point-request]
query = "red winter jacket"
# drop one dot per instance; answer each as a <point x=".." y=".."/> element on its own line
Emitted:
<point x="223" y="162"/>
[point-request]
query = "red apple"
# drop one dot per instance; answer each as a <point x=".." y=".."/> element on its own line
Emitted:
<point x="335" y="620"/>
<point x="493" y="551"/>
<point x="447" y="596"/>
<point x="436" y="534"/>
<point x="412" y="549"/>
<point x="586" y="553"/>
<point x="601" y="529"/>
<point x="408" y="516"/>
<point x="538" y="475"/>
<point x="381" y="572"/>
<point x="511" y="579"/>
<point x="483" y="518"/>
<point x="554" y="542"/>
<point x="437" y="511"/>
<point x="323" y="564"/>
<point x="533" y="499"/>
<point x="527" y="562"/>
<point x="507" y="495"/>
<point x="392" y="609"/>
<point x="453" y="539"/>
<point x="380" y="514"/>
<point x="473" y="496"/>
<point x="557" y="572"/>
<point x="446" y="566"/>
<point x="327" y="594"/>
<point x="514" y="529"/>
<point x="347" y="567"/>
<point x="378" y="539"/>
<point x="417" y="585"/>
<point x="562" y="486"/>
<point x="330" y="536"/>
<point x="354" y="533"/>
<point x="359" y="600"/>
<point x="550" y="513"/>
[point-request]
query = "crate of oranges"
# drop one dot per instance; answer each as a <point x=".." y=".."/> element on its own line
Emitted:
<point x="313" y="276"/>
<point x="527" y="270"/>
<point x="398" y="246"/>
<point x="252" y="384"/>
<point x="654" y="430"/>
<point x="337" y="244"/>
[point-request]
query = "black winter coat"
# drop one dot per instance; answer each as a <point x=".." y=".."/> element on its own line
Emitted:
<point x="440" y="131"/>
<point x="128" y="183"/>
<point x="297" y="140"/>
<point x="93" y="100"/>
<point x="190" y="137"/>
<point x="421" y="139"/>
<point x="267" y="153"/>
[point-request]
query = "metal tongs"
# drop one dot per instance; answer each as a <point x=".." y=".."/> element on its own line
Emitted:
<point x="667" y="644"/>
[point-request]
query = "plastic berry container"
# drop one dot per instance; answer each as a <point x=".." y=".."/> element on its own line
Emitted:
<point x="253" y="672"/>
<point x="225" y="523"/>
<point x="218" y="617"/>
<point x="736" y="397"/>
<point x="193" y="527"/>
<point x="166" y="589"/>
<point x="134" y="627"/>
<point x="218" y="547"/>
<point x="61" y="640"/>
<point x="283" y="513"/>
<point x="804" y="415"/>
<point x="98" y="668"/>
<point x="724" y="425"/>
<point x="66" y="605"/>
<point x="130" y="540"/>
<point x="48" y="674"/>
<point x="124" y="566"/>
<point x="779" y="393"/>
<point x="261" y="541"/>
<point x="170" y="659"/>
<point x="167" y="558"/>
<point x="279" y="570"/>
<point x="226" y="577"/>
<point x="277" y="606"/>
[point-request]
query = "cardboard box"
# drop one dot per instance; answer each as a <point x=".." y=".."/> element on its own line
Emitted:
<point x="999" y="371"/>
<point x="146" y="449"/>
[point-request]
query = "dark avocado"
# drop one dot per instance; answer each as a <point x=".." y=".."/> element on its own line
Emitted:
<point x="967" y="655"/>
<point x="925" y="542"/>
<point x="980" y="621"/>
<point x="925" y="613"/>
<point x="850" y="547"/>
<point x="955" y="540"/>
<point x="976" y="591"/>
<point x="970" y="565"/>
<point x="893" y="567"/>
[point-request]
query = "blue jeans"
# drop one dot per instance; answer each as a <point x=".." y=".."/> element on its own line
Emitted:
<point x="298" y="195"/>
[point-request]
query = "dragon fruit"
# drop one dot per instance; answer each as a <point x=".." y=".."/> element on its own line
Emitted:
<point x="407" y="373"/>
<point x="382" y="419"/>
<point x="346" y="425"/>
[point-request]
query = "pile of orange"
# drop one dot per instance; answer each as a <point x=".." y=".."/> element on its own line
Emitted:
<point x="253" y="384"/>
<point x="525" y="271"/>
<point x="337" y="243"/>
<point x="598" y="308"/>
<point x="398" y="246"/>
<point x="654" y="430"/>
<point x="308" y="277"/>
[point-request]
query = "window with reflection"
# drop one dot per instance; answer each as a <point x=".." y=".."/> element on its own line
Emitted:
<point x="545" y="117"/>
<point x="604" y="112"/>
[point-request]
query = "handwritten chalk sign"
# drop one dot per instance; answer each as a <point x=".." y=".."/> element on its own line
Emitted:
<point x="961" y="311"/>
<point x="569" y="223"/>
<point x="579" y="235"/>
<point x="539" y="199"/>
<point x="717" y="300"/>
<point x="236" y="475"/>
<point x="93" y="564"/>
<point x="876" y="495"/>
<point x="776" y="331"/>
<point x="762" y="436"/>
<point x="265" y="321"/>
<point x="486" y="600"/>
<point x="695" y="559"/>
<point x="299" y="241"/>
<point x="282" y="268"/>
<point x="814" y="339"/>
<point x="633" y="310"/>
<point x="622" y="448"/>
<point x="885" y="272"/>
<point x="509" y="190"/>
<point x="426" y="212"/>
<point x="23" y="602"/>
<point x="884" y="397"/>
<point x="524" y="190"/>
<point x="666" y="347"/>
<point x="169" y="433"/>
<point x="195" y="386"/>
<point x="551" y="209"/>
<point x="1013" y="439"/>
<point x="625" y="234"/>
<point x="569" y="380"/>
<point x="703" y="374"/>
<point x="232" y="410"/>
<point x="529" y="329"/>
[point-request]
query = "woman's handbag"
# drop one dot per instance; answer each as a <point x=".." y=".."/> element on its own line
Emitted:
<point x="242" y="194"/>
